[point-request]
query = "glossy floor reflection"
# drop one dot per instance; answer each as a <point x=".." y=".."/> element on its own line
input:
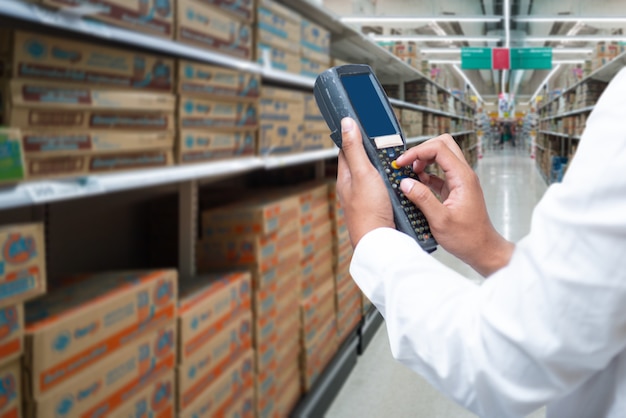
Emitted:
<point x="381" y="387"/>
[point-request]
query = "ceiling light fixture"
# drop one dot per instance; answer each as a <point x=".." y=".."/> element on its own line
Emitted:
<point x="467" y="81"/>
<point x="431" y="38"/>
<point x="507" y="24"/>
<point x="571" y="51"/>
<point x="577" y="38"/>
<point x="445" y="62"/>
<point x="418" y="19"/>
<point x="558" y="62"/>
<point x="569" y="18"/>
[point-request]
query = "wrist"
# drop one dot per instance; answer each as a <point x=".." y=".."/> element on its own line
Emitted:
<point x="493" y="255"/>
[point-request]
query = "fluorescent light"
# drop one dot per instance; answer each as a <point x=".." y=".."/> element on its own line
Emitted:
<point x="545" y="81"/>
<point x="418" y="19"/>
<point x="569" y="18"/>
<point x="440" y="50"/>
<point x="427" y="38"/>
<point x="507" y="24"/>
<point x="467" y="80"/>
<point x="503" y="83"/>
<point x="557" y="62"/>
<point x="571" y="51"/>
<point x="577" y="38"/>
<point x="445" y="62"/>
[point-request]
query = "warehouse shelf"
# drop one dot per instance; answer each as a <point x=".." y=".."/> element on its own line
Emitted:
<point x="295" y="159"/>
<point x="571" y="113"/>
<point x="559" y="134"/>
<point x="407" y="105"/>
<point x="604" y="73"/>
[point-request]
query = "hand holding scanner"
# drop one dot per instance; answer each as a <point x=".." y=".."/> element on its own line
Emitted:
<point x="354" y="91"/>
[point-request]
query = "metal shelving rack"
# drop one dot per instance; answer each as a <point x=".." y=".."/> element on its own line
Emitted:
<point x="347" y="43"/>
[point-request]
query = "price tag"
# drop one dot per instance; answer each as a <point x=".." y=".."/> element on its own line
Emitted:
<point x="47" y="191"/>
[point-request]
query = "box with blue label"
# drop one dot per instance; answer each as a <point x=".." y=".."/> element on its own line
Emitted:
<point x="195" y="79"/>
<point x="158" y="399"/>
<point x="11" y="390"/>
<point x="37" y="105"/>
<point x="22" y="263"/>
<point x="278" y="26"/>
<point x="209" y="27"/>
<point x="280" y="138"/>
<point x="278" y="58"/>
<point x="281" y="105"/>
<point x="107" y="384"/>
<point x="198" y="113"/>
<point x="241" y="9"/>
<point x="197" y="146"/>
<point x="89" y="318"/>
<point x="11" y="332"/>
<point x="12" y="168"/>
<point x="47" y="58"/>
<point x="315" y="42"/>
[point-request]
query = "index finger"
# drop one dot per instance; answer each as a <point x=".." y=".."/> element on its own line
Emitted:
<point x="442" y="150"/>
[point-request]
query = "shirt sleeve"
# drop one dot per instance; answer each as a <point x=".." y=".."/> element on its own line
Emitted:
<point x="539" y="327"/>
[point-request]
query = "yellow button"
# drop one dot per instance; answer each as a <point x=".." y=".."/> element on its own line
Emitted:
<point x="395" y="165"/>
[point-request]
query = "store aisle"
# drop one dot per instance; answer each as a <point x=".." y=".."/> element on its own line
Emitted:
<point x="381" y="387"/>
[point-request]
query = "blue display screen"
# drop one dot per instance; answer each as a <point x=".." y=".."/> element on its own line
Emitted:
<point x="368" y="105"/>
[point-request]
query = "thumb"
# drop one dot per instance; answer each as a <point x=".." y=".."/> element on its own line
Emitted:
<point x="423" y="198"/>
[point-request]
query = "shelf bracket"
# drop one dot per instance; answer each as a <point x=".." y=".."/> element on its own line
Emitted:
<point x="188" y="227"/>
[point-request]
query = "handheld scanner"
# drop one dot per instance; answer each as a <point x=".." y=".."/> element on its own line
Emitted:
<point x="354" y="91"/>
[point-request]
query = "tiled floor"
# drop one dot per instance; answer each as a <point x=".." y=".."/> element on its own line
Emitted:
<point x="381" y="387"/>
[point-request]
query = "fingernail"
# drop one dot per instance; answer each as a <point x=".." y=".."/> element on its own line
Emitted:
<point x="347" y="124"/>
<point x="406" y="186"/>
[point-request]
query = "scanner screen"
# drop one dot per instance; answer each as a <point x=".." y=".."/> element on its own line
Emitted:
<point x="368" y="105"/>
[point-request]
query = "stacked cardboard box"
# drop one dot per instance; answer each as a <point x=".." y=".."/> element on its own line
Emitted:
<point x="217" y="112"/>
<point x="281" y="121"/>
<point x="348" y="299"/>
<point x="588" y="93"/>
<point x="99" y="342"/>
<point x="84" y="108"/>
<point x="412" y="122"/>
<point x="278" y="37"/>
<point x="315" y="49"/>
<point x="216" y="26"/>
<point x="316" y="134"/>
<point x="215" y="335"/>
<point x="150" y="17"/>
<point x="409" y="53"/>
<point x="421" y="92"/>
<point x="263" y="235"/>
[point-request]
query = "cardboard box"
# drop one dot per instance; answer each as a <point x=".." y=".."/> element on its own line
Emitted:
<point x="77" y="165"/>
<point x="11" y="390"/>
<point x="210" y="28"/>
<point x="12" y="166"/>
<point x="317" y="270"/>
<point x="217" y="356"/>
<point x="279" y="104"/>
<point x="87" y="319"/>
<point x="242" y="10"/>
<point x="280" y="138"/>
<point x="207" y="304"/>
<point x="241" y="404"/>
<point x="318" y="353"/>
<point x="277" y="348"/>
<point x="315" y="42"/>
<point x="311" y="110"/>
<point x="155" y="400"/>
<point x="154" y="17"/>
<point x="278" y="26"/>
<point x="260" y="215"/>
<point x="222" y="389"/>
<point x="11" y="333"/>
<point x="38" y="105"/>
<point x="22" y="263"/>
<point x="195" y="113"/>
<point x="289" y="390"/>
<point x="195" y="146"/>
<point x="196" y="79"/>
<point x="43" y="57"/>
<point x="41" y="143"/>
<point x="107" y="384"/>
<point x="278" y="58"/>
<point x="284" y="270"/>
<point x="315" y="312"/>
<point x="316" y="141"/>
<point x="259" y="251"/>
<point x="270" y="300"/>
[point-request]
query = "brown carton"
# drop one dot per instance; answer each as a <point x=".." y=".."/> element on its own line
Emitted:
<point x="157" y="399"/>
<point x="11" y="333"/>
<point x="315" y="312"/>
<point x="11" y="393"/>
<point x="282" y="271"/>
<point x="44" y="57"/>
<point x="154" y="17"/>
<point x="210" y="28"/>
<point x="280" y="137"/>
<point x="22" y="257"/>
<point x="208" y="303"/>
<point x="240" y="404"/>
<point x="12" y="166"/>
<point x="201" y="145"/>
<point x="315" y="42"/>
<point x="212" y="81"/>
<point x="77" y="165"/>
<point x="198" y="113"/>
<point x="277" y="58"/>
<point x="278" y="26"/>
<point x="88" y="319"/>
<point x="242" y="10"/>
<point x="107" y="384"/>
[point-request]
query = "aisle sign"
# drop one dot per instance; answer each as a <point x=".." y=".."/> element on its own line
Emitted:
<point x="475" y="58"/>
<point x="531" y="58"/>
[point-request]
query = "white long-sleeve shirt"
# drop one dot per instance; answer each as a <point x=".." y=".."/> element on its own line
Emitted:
<point x="549" y="328"/>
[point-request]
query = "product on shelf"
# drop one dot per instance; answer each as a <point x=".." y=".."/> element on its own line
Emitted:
<point x="209" y="27"/>
<point x="281" y="117"/>
<point x="23" y="261"/>
<point x="278" y="36"/>
<point x="46" y="58"/>
<point x="153" y="17"/>
<point x="157" y="399"/>
<point x="201" y="145"/>
<point x="11" y="390"/>
<point x="412" y="123"/>
<point x="108" y="384"/>
<point x="11" y="333"/>
<point x="315" y="49"/>
<point x="197" y="113"/>
<point x="241" y="406"/>
<point x="12" y="166"/>
<point x="88" y="318"/>
<point x="52" y="106"/>
<point x="202" y="80"/>
<point x="243" y="10"/>
<point x="316" y="134"/>
<point x="349" y="308"/>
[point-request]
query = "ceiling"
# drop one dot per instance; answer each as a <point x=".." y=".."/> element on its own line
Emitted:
<point x="489" y="83"/>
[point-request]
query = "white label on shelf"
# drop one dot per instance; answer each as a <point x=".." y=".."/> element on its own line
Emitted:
<point x="47" y="191"/>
